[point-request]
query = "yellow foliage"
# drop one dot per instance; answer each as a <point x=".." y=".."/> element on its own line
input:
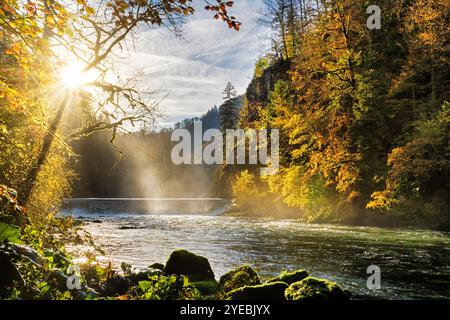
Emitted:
<point x="382" y="200"/>
<point x="245" y="190"/>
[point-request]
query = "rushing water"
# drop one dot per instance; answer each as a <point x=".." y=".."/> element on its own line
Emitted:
<point x="414" y="264"/>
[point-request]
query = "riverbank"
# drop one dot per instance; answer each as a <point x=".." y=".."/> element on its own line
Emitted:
<point x="369" y="219"/>
<point x="414" y="264"/>
<point x="185" y="276"/>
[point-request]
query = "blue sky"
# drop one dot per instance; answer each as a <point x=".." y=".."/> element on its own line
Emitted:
<point x="195" y="70"/>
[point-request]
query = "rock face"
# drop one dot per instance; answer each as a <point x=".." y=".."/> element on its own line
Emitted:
<point x="290" y="277"/>
<point x="196" y="268"/>
<point x="257" y="95"/>
<point x="314" y="289"/>
<point x="267" y="291"/>
<point x="240" y="277"/>
<point x="259" y="89"/>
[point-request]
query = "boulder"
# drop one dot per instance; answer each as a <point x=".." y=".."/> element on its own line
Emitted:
<point x="157" y="266"/>
<point x="314" y="289"/>
<point x="290" y="277"/>
<point x="266" y="291"/>
<point x="237" y="278"/>
<point x="196" y="268"/>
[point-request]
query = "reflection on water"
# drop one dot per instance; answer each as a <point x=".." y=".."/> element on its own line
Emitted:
<point x="414" y="264"/>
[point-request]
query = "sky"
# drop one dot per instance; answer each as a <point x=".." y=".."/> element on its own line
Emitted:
<point x="193" y="71"/>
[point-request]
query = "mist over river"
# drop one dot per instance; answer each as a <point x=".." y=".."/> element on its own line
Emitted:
<point x="414" y="263"/>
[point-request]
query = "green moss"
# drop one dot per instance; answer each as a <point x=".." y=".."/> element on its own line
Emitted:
<point x="314" y="289"/>
<point x="196" y="268"/>
<point x="237" y="278"/>
<point x="207" y="288"/>
<point x="290" y="277"/>
<point x="267" y="291"/>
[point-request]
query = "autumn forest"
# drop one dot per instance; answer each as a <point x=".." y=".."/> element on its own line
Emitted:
<point x="358" y="91"/>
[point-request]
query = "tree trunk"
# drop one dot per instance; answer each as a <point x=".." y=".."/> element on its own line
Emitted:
<point x="46" y="145"/>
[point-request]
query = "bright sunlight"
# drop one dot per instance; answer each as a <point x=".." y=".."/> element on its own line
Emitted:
<point x="72" y="75"/>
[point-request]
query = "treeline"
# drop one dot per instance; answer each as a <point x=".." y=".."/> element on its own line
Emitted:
<point x="363" y="114"/>
<point x="139" y="164"/>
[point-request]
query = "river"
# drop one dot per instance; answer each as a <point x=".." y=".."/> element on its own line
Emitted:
<point x="415" y="264"/>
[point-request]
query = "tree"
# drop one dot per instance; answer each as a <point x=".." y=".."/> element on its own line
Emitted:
<point x="288" y="20"/>
<point x="33" y="34"/>
<point x="229" y="91"/>
<point x="275" y="17"/>
<point x="419" y="169"/>
<point x="358" y="107"/>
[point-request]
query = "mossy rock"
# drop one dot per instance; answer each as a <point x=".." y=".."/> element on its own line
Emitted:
<point x="290" y="277"/>
<point x="196" y="268"/>
<point x="314" y="289"/>
<point x="207" y="288"/>
<point x="237" y="278"/>
<point x="266" y="291"/>
<point x="157" y="266"/>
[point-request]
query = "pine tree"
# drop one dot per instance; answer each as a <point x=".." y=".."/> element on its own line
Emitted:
<point x="230" y="109"/>
<point x="229" y="91"/>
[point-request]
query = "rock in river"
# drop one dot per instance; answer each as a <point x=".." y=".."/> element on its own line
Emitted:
<point x="237" y="278"/>
<point x="290" y="277"/>
<point x="196" y="268"/>
<point x="314" y="289"/>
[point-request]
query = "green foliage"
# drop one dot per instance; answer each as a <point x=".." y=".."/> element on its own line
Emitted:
<point x="229" y="111"/>
<point x="9" y="233"/>
<point x="166" y="288"/>
<point x="207" y="288"/>
<point x="40" y="259"/>
<point x="260" y="66"/>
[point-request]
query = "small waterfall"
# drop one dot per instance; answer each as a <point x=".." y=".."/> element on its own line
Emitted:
<point x="209" y="206"/>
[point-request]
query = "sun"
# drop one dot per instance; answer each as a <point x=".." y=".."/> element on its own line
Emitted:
<point x="72" y="75"/>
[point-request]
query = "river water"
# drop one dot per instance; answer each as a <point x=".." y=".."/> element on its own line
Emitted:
<point x="414" y="264"/>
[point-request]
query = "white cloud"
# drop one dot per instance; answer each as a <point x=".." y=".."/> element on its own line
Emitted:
<point x="194" y="71"/>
